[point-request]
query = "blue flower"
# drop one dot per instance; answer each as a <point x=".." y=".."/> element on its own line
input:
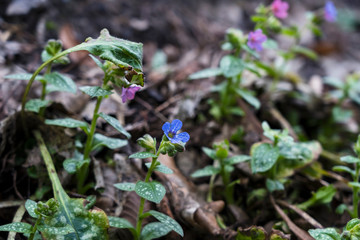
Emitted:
<point x="171" y="129"/>
<point x="330" y="12"/>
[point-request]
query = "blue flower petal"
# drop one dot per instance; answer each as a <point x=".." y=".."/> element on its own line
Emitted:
<point x="166" y="128"/>
<point x="176" y="125"/>
<point x="181" y="137"/>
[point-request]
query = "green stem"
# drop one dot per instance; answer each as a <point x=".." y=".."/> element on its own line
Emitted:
<point x="82" y="173"/>
<point x="226" y="181"/>
<point x="43" y="91"/>
<point x="211" y="186"/>
<point x="142" y="200"/>
<point x="34" y="228"/>
<point x="356" y="192"/>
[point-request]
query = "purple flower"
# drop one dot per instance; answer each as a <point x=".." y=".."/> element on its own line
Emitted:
<point x="280" y="8"/>
<point x="330" y="12"/>
<point x="171" y="129"/>
<point x="256" y="39"/>
<point x="129" y="93"/>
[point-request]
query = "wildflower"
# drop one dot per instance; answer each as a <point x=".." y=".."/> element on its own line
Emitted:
<point x="129" y="93"/>
<point x="330" y="12"/>
<point x="256" y="39"/>
<point x="280" y="8"/>
<point x="171" y="129"/>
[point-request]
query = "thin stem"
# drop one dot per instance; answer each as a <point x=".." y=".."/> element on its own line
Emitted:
<point x="34" y="228"/>
<point x="142" y="200"/>
<point x="356" y="192"/>
<point x="226" y="181"/>
<point x="43" y="91"/>
<point x="211" y="186"/>
<point x="84" y="170"/>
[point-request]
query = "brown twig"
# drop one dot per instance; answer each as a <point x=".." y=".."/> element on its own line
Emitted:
<point x="302" y="213"/>
<point x="99" y="178"/>
<point x="301" y="234"/>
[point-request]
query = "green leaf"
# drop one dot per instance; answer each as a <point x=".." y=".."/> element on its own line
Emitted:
<point x="350" y="159"/>
<point x="354" y="184"/>
<point x="274" y="185"/>
<point x="352" y="223"/>
<point x="142" y="155"/>
<point x="125" y="54"/>
<point x="168" y="221"/>
<point x="68" y="122"/>
<point x="112" y="143"/>
<point x="119" y="222"/>
<point x="206" y="73"/>
<point x="206" y="171"/>
<point x="160" y="168"/>
<point x="151" y="191"/>
<point x="19" y="227"/>
<point x="98" y="62"/>
<point x="71" y="165"/>
<point x="341" y="115"/>
<point x="325" y="234"/>
<point x="30" y="206"/>
<point x="95" y="91"/>
<point x="89" y="224"/>
<point x="60" y="82"/>
<point x="209" y="152"/>
<point x="344" y="169"/>
<point x="264" y="156"/>
<point x="154" y="230"/>
<point x="305" y="51"/>
<point x="23" y="76"/>
<point x="56" y="230"/>
<point x="237" y="159"/>
<point x="231" y="66"/>
<point x="115" y="123"/>
<point x="323" y="195"/>
<point x="125" y="186"/>
<point x="270" y="44"/>
<point x="248" y="97"/>
<point x="34" y="105"/>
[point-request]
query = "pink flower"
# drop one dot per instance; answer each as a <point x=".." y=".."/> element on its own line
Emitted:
<point x="330" y="12"/>
<point x="280" y="9"/>
<point x="129" y="93"/>
<point x="256" y="39"/>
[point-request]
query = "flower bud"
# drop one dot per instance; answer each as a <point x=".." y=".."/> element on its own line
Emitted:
<point x="147" y="142"/>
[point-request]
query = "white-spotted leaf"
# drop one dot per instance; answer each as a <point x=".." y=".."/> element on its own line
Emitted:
<point x="115" y="123"/>
<point x="142" y="155"/>
<point x="325" y="234"/>
<point x="168" y="221"/>
<point x="19" y="227"/>
<point x="34" y="105"/>
<point x="60" y="82"/>
<point x="160" y="168"/>
<point x="264" y="156"/>
<point x="30" y="206"/>
<point x="23" y="76"/>
<point x="119" y="222"/>
<point x="231" y="66"/>
<point x="237" y="159"/>
<point x="151" y="191"/>
<point x="247" y="95"/>
<point x="68" y="122"/>
<point x="112" y="143"/>
<point x="56" y="230"/>
<point x="95" y="91"/>
<point x="154" y="230"/>
<point x="205" y="172"/>
<point x="206" y="73"/>
<point x="125" y="186"/>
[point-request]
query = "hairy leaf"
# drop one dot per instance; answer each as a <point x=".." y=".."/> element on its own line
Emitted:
<point x="115" y="123"/>
<point x="168" y="221"/>
<point x="95" y="91"/>
<point x="154" y="230"/>
<point x="60" y="82"/>
<point x="34" y="105"/>
<point x="151" y="191"/>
